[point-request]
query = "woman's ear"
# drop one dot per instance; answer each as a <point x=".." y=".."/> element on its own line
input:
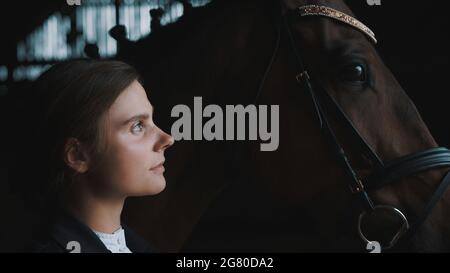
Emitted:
<point x="76" y="156"/>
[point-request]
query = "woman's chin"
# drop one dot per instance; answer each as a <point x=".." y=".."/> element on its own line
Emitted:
<point x="148" y="187"/>
<point x="153" y="187"/>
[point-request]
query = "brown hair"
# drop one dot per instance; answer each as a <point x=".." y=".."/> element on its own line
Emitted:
<point x="73" y="97"/>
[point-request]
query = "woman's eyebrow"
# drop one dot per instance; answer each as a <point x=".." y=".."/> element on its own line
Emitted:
<point x="137" y="117"/>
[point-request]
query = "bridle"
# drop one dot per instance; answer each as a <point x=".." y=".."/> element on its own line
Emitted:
<point x="384" y="173"/>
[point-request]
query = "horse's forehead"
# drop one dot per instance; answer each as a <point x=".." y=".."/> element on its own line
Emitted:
<point x="335" y="9"/>
<point x="314" y="10"/>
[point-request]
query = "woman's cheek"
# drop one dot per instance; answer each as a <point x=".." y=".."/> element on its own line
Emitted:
<point x="133" y="163"/>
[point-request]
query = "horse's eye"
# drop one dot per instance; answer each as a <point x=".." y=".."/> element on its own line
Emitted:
<point x="355" y="73"/>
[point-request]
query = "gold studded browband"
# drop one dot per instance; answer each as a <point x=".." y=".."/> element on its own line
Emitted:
<point x="315" y="10"/>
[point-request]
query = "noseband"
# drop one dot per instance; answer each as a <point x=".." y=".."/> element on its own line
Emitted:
<point x="384" y="172"/>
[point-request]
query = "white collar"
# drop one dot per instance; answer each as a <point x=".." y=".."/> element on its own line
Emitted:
<point x="115" y="241"/>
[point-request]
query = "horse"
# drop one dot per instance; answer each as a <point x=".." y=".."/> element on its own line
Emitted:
<point x="343" y="119"/>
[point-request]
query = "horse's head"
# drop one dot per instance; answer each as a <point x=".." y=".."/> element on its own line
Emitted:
<point x="233" y="48"/>
<point x="340" y="58"/>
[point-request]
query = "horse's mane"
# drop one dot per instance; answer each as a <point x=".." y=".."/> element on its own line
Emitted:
<point x="166" y="34"/>
<point x="197" y="15"/>
<point x="198" y="19"/>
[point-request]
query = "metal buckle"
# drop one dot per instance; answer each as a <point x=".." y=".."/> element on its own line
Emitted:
<point x="358" y="188"/>
<point x="401" y="231"/>
<point x="302" y="76"/>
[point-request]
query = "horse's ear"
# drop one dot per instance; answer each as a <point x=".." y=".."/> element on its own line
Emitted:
<point x="290" y="5"/>
<point x="286" y="6"/>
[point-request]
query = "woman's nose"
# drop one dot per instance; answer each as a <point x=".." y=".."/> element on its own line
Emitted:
<point x="165" y="141"/>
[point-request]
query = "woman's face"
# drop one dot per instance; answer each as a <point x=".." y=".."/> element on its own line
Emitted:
<point x="132" y="164"/>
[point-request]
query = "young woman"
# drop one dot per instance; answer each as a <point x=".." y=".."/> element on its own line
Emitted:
<point x="97" y="144"/>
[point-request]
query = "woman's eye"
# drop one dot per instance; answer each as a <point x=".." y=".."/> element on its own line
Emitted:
<point x="137" y="127"/>
<point x="355" y="73"/>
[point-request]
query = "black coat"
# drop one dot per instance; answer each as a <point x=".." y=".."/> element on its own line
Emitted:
<point x="68" y="234"/>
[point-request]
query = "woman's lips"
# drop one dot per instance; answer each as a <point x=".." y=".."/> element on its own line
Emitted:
<point x="158" y="169"/>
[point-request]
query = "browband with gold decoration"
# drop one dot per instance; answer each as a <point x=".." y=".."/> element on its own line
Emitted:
<point x="310" y="10"/>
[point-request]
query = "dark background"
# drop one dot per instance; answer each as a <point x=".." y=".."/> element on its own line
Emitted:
<point x="413" y="41"/>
